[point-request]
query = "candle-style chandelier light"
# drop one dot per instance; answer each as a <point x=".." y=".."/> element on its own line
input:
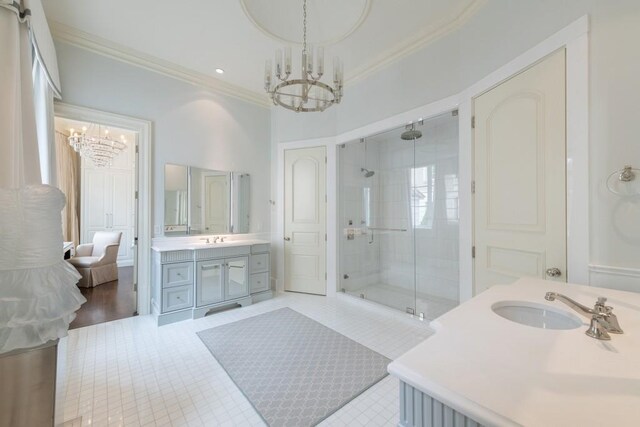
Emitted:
<point x="308" y="93"/>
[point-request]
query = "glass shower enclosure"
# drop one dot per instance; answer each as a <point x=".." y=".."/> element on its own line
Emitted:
<point x="398" y="217"/>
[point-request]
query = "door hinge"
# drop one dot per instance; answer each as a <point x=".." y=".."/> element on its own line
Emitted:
<point x="325" y="237"/>
<point x="325" y="275"/>
<point x="454" y="113"/>
<point x="473" y="251"/>
<point x="473" y="122"/>
<point x="137" y="149"/>
<point x="325" y="160"/>
<point x="325" y="198"/>
<point x="136" y="194"/>
<point x="473" y="187"/>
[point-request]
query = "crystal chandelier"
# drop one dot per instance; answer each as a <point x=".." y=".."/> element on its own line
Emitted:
<point x="98" y="147"/>
<point x="308" y="93"/>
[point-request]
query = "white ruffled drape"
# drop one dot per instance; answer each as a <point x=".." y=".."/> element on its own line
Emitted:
<point x="38" y="292"/>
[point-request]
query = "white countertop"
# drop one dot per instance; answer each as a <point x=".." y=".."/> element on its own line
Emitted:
<point x="191" y="246"/>
<point x="499" y="372"/>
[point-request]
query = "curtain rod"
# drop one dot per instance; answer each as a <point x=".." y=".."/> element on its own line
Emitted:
<point x="14" y="6"/>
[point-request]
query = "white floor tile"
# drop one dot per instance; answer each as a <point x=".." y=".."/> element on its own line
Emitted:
<point x="131" y="372"/>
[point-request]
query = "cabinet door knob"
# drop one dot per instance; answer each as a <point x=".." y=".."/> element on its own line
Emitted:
<point x="288" y="239"/>
<point x="554" y="272"/>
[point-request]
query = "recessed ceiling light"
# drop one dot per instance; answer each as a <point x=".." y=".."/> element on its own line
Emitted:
<point x="219" y="71"/>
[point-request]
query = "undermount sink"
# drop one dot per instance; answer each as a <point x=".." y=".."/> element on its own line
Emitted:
<point x="536" y="315"/>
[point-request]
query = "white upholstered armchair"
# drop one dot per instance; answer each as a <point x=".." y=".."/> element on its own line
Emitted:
<point x="96" y="261"/>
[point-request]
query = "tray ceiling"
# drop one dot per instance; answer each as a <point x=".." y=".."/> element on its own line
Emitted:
<point x="239" y="35"/>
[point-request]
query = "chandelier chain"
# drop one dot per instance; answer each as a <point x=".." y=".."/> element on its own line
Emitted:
<point x="304" y="26"/>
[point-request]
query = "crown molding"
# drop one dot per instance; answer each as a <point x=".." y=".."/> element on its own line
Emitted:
<point x="75" y="37"/>
<point x="101" y="46"/>
<point x="414" y="44"/>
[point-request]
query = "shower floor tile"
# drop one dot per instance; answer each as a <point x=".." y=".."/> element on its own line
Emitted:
<point x="401" y="299"/>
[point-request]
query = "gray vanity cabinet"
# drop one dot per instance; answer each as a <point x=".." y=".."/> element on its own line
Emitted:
<point x="190" y="283"/>
<point x="259" y="280"/>
<point x="222" y="279"/>
<point x="236" y="283"/>
<point x="210" y="282"/>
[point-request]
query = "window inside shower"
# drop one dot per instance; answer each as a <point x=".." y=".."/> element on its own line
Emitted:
<point x="398" y="217"/>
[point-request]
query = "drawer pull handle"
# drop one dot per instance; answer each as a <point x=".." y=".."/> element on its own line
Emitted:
<point x="210" y="267"/>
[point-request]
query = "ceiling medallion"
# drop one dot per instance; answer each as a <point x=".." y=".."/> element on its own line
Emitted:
<point x="308" y="93"/>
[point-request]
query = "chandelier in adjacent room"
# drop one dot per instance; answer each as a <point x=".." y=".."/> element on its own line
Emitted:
<point x="308" y="93"/>
<point x="96" y="145"/>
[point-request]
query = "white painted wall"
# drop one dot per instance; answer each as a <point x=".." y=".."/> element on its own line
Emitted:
<point x="499" y="32"/>
<point x="192" y="126"/>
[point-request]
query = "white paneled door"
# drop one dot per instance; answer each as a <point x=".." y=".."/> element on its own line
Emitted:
<point x="305" y="256"/>
<point x="108" y="202"/>
<point x="520" y="188"/>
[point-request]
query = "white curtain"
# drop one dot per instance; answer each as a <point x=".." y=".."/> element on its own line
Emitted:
<point x="67" y="179"/>
<point x="19" y="158"/>
<point x="43" y="100"/>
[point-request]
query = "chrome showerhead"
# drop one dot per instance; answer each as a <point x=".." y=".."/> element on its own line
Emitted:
<point x="411" y="133"/>
<point x="367" y="172"/>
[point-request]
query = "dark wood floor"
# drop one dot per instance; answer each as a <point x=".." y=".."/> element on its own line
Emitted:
<point x="109" y="301"/>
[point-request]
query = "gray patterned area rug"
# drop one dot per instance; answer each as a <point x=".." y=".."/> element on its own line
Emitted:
<point x="294" y="370"/>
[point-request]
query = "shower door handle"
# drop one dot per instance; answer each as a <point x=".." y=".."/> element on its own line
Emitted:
<point x="371" y="238"/>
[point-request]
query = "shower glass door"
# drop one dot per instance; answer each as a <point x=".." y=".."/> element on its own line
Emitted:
<point x="398" y="217"/>
<point x="377" y="241"/>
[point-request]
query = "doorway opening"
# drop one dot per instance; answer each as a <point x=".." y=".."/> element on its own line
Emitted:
<point x="100" y="219"/>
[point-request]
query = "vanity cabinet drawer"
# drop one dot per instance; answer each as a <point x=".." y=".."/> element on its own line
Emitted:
<point x="177" y="298"/>
<point x="259" y="282"/>
<point x="236" y="251"/>
<point x="177" y="274"/>
<point x="259" y="263"/>
<point x="260" y="248"/>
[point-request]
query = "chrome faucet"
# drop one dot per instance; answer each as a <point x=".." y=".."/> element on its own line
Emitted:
<point x="215" y="239"/>
<point x="222" y="239"/>
<point x="207" y="240"/>
<point x="603" y="321"/>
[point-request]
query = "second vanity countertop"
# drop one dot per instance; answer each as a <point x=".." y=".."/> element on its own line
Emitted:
<point x="499" y="372"/>
<point x="191" y="246"/>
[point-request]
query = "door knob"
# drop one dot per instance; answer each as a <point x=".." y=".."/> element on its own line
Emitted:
<point x="554" y="272"/>
<point x="288" y="239"/>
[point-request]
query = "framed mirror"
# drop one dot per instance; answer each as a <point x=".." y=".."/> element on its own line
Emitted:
<point x="216" y="202"/>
